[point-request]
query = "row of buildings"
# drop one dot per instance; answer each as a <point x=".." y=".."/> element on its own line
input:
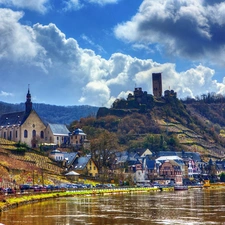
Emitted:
<point x="143" y="167"/>
<point x="28" y="127"/>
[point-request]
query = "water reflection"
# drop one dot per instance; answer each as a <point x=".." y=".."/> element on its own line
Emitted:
<point x="184" y="207"/>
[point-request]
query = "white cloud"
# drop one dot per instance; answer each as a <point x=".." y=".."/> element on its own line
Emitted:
<point x="185" y="28"/>
<point x="91" y="43"/>
<point x="71" y="5"/>
<point x="5" y="94"/>
<point x="97" y="91"/>
<point x="17" y="41"/>
<point x="37" y="5"/>
<point x="60" y="71"/>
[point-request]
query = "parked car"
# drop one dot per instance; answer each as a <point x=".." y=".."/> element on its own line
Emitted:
<point x="38" y="188"/>
<point x="8" y="191"/>
<point x="24" y="187"/>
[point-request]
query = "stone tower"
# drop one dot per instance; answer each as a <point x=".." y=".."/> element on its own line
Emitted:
<point x="157" y="84"/>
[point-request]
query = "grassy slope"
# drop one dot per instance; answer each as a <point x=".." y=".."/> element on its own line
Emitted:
<point x="20" y="166"/>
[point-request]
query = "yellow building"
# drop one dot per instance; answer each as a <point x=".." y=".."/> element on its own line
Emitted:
<point x="85" y="166"/>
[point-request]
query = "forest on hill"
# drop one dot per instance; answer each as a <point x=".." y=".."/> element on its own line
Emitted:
<point x="196" y="125"/>
<point x="53" y="113"/>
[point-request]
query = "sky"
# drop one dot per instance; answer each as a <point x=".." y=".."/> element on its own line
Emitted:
<point x="92" y="52"/>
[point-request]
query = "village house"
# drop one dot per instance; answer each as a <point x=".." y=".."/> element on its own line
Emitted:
<point x="57" y="134"/>
<point x="171" y="170"/>
<point x="85" y="166"/>
<point x="79" y="139"/>
<point x="66" y="157"/>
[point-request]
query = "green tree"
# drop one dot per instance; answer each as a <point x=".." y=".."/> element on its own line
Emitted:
<point x="222" y="177"/>
<point x="101" y="151"/>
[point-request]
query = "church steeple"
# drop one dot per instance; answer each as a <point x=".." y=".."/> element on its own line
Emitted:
<point x="28" y="102"/>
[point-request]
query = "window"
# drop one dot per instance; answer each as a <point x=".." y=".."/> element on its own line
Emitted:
<point x="34" y="133"/>
<point x="57" y="138"/>
<point x="42" y="134"/>
<point x="16" y="134"/>
<point x="25" y="134"/>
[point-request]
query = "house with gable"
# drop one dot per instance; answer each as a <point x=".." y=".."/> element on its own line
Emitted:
<point x="85" y="166"/>
<point x="140" y="175"/>
<point x="144" y="152"/>
<point x="67" y="158"/>
<point x="171" y="170"/>
<point x="193" y="162"/>
<point x="57" y="134"/>
<point x="78" y="139"/>
<point x="151" y="169"/>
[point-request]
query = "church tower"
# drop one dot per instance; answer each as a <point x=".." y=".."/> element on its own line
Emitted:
<point x="28" y="102"/>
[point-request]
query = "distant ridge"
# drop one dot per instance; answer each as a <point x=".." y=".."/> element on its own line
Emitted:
<point x="53" y="113"/>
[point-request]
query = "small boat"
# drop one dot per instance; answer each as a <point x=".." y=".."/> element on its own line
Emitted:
<point x="206" y="184"/>
<point x="180" y="187"/>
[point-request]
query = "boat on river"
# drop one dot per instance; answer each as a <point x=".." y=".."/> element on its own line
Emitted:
<point x="206" y="184"/>
<point x="180" y="187"/>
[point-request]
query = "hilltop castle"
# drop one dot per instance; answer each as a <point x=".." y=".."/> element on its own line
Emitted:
<point x="140" y="99"/>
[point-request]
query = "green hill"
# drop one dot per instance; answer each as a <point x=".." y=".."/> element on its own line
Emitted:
<point x="167" y="124"/>
<point x="53" y="113"/>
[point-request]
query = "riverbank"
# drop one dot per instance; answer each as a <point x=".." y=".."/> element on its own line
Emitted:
<point x="13" y="201"/>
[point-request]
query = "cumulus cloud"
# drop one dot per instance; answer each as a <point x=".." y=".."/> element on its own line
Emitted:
<point x="98" y="91"/>
<point x="59" y="70"/>
<point x="187" y="28"/>
<point x="17" y="41"/>
<point x="37" y="5"/>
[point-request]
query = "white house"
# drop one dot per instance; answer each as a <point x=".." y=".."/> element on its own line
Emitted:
<point x="57" y="134"/>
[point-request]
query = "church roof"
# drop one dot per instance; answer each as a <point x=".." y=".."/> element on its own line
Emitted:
<point x="59" y="129"/>
<point x="10" y="119"/>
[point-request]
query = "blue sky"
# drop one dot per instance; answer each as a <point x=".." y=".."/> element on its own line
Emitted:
<point x="90" y="52"/>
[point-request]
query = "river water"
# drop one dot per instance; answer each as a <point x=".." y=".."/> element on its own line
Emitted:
<point x="192" y="207"/>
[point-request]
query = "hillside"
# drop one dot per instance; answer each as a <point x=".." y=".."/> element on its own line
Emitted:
<point x="168" y="125"/>
<point x="23" y="165"/>
<point x="53" y="113"/>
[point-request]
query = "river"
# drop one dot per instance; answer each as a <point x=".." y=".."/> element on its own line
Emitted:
<point x="192" y="207"/>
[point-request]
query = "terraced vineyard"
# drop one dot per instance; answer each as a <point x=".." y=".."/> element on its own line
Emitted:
<point x="21" y="166"/>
